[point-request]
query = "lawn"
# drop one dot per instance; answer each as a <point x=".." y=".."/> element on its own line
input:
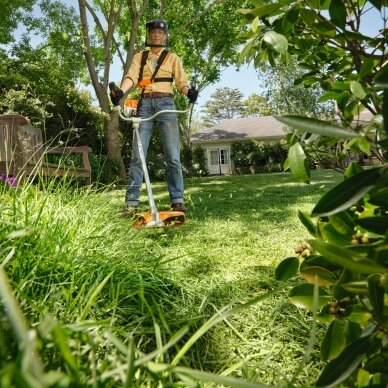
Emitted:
<point x="101" y="295"/>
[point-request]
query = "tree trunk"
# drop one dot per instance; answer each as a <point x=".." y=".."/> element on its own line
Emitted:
<point x="111" y="135"/>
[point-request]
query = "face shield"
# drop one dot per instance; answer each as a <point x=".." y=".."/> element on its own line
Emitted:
<point x="156" y="33"/>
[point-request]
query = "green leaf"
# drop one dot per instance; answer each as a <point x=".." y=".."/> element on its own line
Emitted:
<point x="287" y="269"/>
<point x="334" y="341"/>
<point x="329" y="96"/>
<point x="325" y="28"/>
<point x="379" y="196"/>
<point x="364" y="145"/>
<point x="255" y="24"/>
<point x="359" y="314"/>
<point x="322" y="275"/>
<point x="286" y="165"/>
<point x="343" y="223"/>
<point x="315" y="4"/>
<point x="367" y="67"/>
<point x="318" y="5"/>
<point x="377" y="3"/>
<point x="316" y="260"/>
<point x="298" y="163"/>
<point x="385" y="112"/>
<point x="330" y="234"/>
<point x="353" y="331"/>
<point x="246" y="51"/>
<point x="353" y="169"/>
<point x="340" y="85"/>
<point x="357" y="89"/>
<point x="289" y="20"/>
<point x="268" y="9"/>
<point x="302" y="296"/>
<point x="363" y="378"/>
<point x="325" y="315"/>
<point x="338" y="291"/>
<point x="319" y="127"/>
<point x="376" y="297"/>
<point x="244" y="11"/>
<point x="307" y="222"/>
<point x="381" y="78"/>
<point x="342" y="367"/>
<point x="378" y="363"/>
<point x="277" y="41"/>
<point x="347" y="193"/>
<point x="347" y="258"/>
<point x="308" y="16"/>
<point x="357" y="288"/>
<point x="337" y="13"/>
<point x="377" y="225"/>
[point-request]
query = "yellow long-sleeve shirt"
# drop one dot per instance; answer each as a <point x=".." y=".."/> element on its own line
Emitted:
<point x="171" y="68"/>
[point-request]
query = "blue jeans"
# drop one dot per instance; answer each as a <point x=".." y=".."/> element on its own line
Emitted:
<point x="169" y="129"/>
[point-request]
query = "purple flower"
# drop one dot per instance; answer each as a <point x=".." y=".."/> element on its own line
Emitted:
<point x="10" y="181"/>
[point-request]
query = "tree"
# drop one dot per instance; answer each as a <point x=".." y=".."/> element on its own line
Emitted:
<point x="224" y="103"/>
<point x="344" y="266"/>
<point x="328" y="47"/>
<point x="39" y="80"/>
<point x="12" y="12"/>
<point x="286" y="94"/>
<point x="256" y="105"/>
<point x="114" y="30"/>
<point x="191" y="41"/>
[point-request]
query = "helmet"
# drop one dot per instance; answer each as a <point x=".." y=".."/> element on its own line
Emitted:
<point x="157" y="23"/>
<point x="152" y="25"/>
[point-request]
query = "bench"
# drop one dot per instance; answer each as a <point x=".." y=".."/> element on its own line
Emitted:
<point x="23" y="153"/>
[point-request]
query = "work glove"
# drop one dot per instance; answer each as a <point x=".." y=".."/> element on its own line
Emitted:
<point x="192" y="95"/>
<point x="116" y="94"/>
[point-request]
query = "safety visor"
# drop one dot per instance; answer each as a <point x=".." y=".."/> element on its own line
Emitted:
<point x="156" y="33"/>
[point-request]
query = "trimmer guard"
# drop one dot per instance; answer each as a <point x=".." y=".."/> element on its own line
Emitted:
<point x="167" y="219"/>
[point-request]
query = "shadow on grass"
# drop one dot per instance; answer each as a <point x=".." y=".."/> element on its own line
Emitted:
<point x="248" y="196"/>
<point x="226" y="213"/>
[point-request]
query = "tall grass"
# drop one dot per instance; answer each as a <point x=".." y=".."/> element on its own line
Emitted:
<point x="109" y="305"/>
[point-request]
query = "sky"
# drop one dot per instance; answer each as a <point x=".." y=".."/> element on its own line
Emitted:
<point x="245" y="79"/>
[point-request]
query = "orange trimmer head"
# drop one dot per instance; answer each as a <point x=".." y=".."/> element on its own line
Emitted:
<point x="166" y="219"/>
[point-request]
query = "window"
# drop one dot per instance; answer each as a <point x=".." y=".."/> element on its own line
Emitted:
<point x="214" y="157"/>
<point x="224" y="156"/>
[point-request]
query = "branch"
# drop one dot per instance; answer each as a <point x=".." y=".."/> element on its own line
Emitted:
<point x="96" y="19"/>
<point x="136" y="16"/>
<point x="199" y="15"/>
<point x="88" y="52"/>
<point x="108" y="37"/>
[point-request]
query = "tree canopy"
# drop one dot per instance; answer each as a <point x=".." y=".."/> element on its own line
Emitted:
<point x="81" y="45"/>
<point x="225" y="103"/>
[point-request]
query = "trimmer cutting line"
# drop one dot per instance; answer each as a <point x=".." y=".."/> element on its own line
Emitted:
<point x="152" y="218"/>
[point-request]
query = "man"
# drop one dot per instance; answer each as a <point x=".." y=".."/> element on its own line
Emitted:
<point x="157" y="94"/>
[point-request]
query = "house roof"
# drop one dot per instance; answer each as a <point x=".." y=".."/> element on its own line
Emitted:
<point x="247" y="128"/>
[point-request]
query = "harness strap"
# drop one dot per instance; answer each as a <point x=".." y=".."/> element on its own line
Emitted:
<point x="163" y="79"/>
<point x="162" y="58"/>
<point x="142" y="63"/>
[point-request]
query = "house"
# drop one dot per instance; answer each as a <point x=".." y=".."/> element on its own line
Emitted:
<point x="217" y="140"/>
